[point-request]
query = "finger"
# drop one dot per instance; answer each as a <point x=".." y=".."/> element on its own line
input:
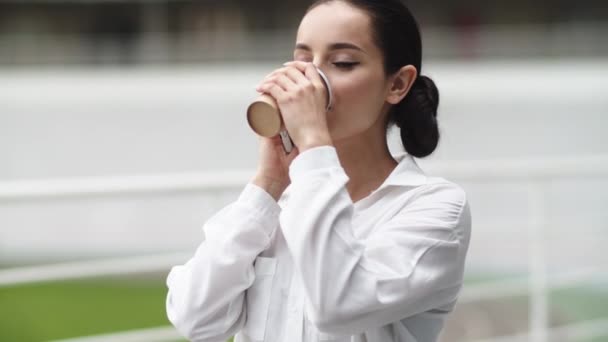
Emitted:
<point x="268" y="86"/>
<point x="313" y="75"/>
<point x="273" y="74"/>
<point x="264" y="86"/>
<point x="286" y="83"/>
<point x="276" y="140"/>
<point x="297" y="64"/>
<point x="277" y="71"/>
<point x="309" y="70"/>
<point x="292" y="72"/>
<point x="266" y="81"/>
<point x="296" y="76"/>
<point x="275" y="91"/>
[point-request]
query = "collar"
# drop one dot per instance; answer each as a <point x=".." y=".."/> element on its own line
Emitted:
<point x="406" y="173"/>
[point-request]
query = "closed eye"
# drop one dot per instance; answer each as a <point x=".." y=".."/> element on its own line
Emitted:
<point x="345" y="65"/>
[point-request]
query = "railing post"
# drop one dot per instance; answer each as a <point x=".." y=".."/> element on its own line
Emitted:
<point x="538" y="305"/>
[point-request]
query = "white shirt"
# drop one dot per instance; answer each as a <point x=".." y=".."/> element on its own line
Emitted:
<point x="316" y="267"/>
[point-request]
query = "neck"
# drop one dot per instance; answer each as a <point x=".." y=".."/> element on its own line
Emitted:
<point x="366" y="160"/>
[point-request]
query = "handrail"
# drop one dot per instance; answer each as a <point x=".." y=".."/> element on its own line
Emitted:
<point x="157" y="334"/>
<point x="472" y="170"/>
<point x="532" y="171"/>
<point x="580" y="331"/>
<point x="90" y="268"/>
<point x="163" y="262"/>
<point x="120" y="185"/>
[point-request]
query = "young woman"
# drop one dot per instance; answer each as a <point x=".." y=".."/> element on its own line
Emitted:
<point x="337" y="240"/>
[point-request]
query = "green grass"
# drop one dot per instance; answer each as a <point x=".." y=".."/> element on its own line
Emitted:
<point x="580" y="304"/>
<point x="41" y="312"/>
<point x="68" y="309"/>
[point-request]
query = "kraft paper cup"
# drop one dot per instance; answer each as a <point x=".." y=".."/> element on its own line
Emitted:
<point x="264" y="116"/>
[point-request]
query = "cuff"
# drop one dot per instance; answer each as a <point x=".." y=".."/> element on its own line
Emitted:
<point x="317" y="158"/>
<point x="263" y="204"/>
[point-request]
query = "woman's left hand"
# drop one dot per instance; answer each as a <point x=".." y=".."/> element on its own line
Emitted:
<point x="301" y="96"/>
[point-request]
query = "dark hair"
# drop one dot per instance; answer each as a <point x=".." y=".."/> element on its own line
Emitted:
<point x="396" y="33"/>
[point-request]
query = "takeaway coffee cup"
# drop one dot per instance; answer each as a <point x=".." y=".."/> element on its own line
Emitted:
<point x="264" y="116"/>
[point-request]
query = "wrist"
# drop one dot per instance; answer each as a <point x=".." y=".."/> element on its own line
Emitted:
<point x="313" y="141"/>
<point x="272" y="186"/>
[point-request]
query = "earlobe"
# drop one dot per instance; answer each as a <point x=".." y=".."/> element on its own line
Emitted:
<point x="401" y="84"/>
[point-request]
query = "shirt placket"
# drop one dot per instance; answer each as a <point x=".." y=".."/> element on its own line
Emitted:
<point x="295" y="313"/>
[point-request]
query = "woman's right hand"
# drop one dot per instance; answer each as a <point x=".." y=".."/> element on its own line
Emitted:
<point x="273" y="168"/>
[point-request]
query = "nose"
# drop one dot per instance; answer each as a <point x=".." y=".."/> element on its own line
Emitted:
<point x="317" y="63"/>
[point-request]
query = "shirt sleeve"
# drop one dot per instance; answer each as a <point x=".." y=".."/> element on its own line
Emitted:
<point x="206" y="294"/>
<point x="408" y="265"/>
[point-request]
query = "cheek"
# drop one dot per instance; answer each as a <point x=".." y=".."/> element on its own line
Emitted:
<point x="356" y="99"/>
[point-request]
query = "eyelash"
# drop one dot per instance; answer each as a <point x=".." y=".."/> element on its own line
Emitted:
<point x="345" y="65"/>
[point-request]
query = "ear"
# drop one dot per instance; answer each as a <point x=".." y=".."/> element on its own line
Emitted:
<point x="400" y="84"/>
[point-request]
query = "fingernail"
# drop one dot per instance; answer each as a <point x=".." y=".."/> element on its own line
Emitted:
<point x="287" y="63"/>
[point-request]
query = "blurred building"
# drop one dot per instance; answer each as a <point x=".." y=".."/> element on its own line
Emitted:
<point x="189" y="31"/>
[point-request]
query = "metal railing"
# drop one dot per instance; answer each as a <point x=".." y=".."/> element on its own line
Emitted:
<point x="536" y="173"/>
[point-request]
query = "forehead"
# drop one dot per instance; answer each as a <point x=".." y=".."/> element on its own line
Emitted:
<point x="335" y="21"/>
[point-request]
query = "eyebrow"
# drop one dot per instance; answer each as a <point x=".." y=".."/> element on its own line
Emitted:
<point x="333" y="46"/>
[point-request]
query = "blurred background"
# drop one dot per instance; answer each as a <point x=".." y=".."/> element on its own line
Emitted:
<point x="122" y="130"/>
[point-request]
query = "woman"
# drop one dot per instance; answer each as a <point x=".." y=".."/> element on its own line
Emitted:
<point x="337" y="240"/>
